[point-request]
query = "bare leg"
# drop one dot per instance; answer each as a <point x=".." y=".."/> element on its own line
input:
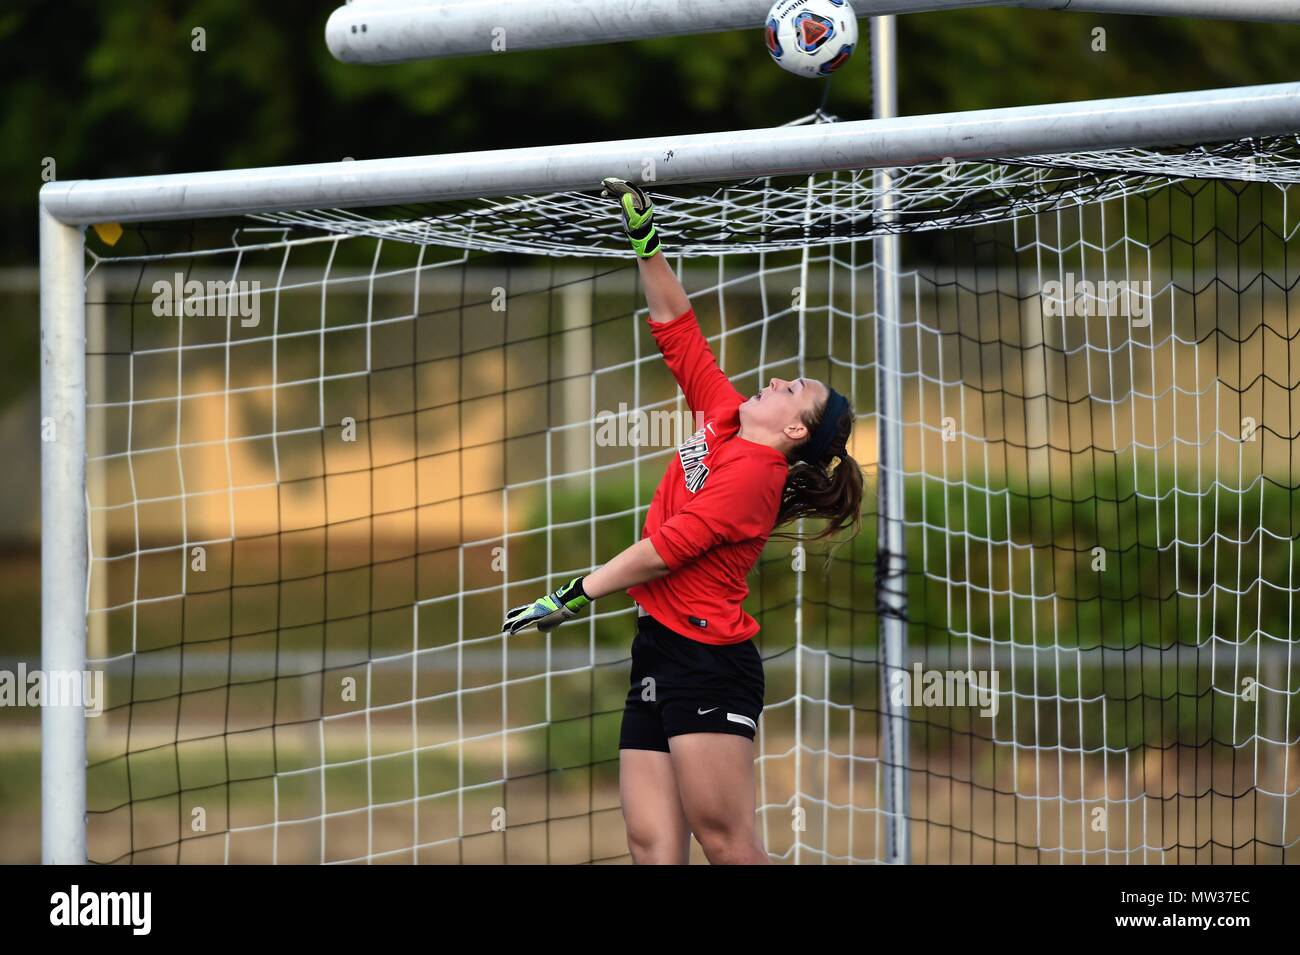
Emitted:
<point x="715" y="776"/>
<point x="657" y="832"/>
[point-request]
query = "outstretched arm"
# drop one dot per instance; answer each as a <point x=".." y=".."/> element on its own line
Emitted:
<point x="635" y="565"/>
<point x="672" y="320"/>
<point x="740" y="503"/>
<point x="663" y="292"/>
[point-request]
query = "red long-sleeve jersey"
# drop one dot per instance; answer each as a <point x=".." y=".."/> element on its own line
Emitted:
<point x="715" y="506"/>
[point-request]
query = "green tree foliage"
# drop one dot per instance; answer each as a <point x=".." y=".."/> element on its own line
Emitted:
<point x="117" y="88"/>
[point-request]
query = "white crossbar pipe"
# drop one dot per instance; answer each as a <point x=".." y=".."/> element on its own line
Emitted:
<point x="1208" y="116"/>
<point x="391" y="31"/>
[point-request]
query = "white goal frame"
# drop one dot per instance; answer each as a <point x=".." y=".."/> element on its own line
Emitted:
<point x="393" y="31"/>
<point x="67" y="207"/>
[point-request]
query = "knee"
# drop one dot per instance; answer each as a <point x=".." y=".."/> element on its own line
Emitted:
<point x="728" y="842"/>
<point x="650" y="848"/>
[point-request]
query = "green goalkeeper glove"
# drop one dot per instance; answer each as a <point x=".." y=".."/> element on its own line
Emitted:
<point x="638" y="215"/>
<point x="549" y="611"/>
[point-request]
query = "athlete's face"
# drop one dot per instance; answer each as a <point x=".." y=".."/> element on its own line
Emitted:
<point x="781" y="407"/>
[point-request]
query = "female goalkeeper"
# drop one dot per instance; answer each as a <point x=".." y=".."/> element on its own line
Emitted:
<point x="687" y="740"/>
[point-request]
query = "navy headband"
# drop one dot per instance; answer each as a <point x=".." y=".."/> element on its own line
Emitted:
<point x="816" y="447"/>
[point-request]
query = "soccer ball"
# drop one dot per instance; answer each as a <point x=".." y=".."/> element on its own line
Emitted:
<point x="811" y="37"/>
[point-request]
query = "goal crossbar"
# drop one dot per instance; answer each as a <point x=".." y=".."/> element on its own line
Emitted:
<point x="392" y="31"/>
<point x="1005" y="133"/>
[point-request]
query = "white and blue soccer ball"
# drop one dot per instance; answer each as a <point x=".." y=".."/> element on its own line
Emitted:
<point x="811" y="37"/>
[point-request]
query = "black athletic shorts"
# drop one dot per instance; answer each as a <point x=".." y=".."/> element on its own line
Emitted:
<point x="680" y="685"/>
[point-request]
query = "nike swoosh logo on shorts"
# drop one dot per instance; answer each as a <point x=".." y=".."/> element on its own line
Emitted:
<point x="704" y="712"/>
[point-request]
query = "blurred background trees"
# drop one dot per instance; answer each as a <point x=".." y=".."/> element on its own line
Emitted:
<point x="115" y="87"/>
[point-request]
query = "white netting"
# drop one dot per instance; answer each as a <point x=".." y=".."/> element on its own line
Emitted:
<point x="1100" y="498"/>
<point x="766" y="215"/>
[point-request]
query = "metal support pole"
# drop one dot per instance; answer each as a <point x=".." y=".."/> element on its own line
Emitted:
<point x="63" y="537"/>
<point x="891" y="566"/>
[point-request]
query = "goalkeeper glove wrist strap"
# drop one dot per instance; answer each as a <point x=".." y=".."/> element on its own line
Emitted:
<point x="573" y="595"/>
<point x="645" y="240"/>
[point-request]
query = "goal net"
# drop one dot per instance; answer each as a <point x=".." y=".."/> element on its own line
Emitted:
<point x="327" y="449"/>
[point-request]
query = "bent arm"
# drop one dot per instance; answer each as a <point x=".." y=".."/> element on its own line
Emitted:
<point x="636" y="565"/>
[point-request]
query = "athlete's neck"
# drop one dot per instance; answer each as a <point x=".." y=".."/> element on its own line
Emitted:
<point x="776" y="441"/>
